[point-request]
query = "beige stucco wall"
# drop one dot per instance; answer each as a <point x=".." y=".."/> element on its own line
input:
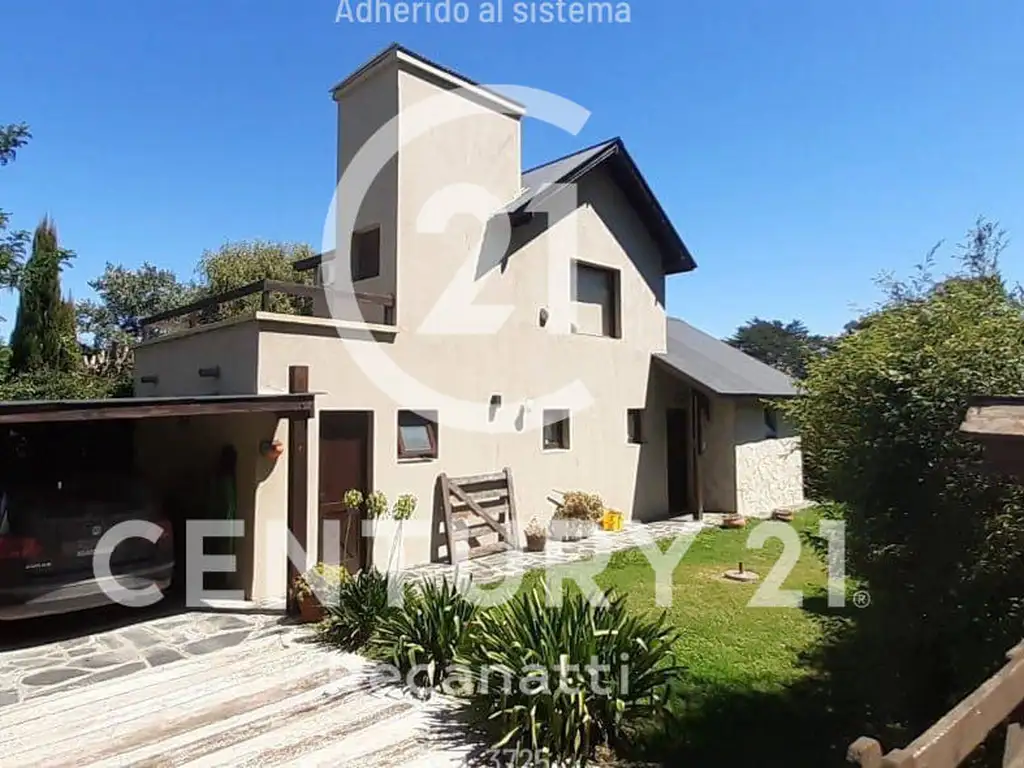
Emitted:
<point x="176" y="360"/>
<point x="178" y="456"/>
<point x="769" y="471"/>
<point x="718" y="464"/>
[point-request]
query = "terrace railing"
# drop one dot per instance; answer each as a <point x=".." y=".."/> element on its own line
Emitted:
<point x="223" y="305"/>
<point x="951" y="740"/>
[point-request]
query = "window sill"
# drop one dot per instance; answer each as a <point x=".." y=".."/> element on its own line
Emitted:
<point x="416" y="459"/>
<point x="556" y="450"/>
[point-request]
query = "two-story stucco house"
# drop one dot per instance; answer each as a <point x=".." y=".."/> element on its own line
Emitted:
<point x="478" y="317"/>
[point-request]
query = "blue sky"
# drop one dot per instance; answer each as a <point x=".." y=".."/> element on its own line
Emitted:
<point x="800" y="146"/>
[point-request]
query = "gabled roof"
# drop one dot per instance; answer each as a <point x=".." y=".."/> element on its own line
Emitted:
<point x="719" y="367"/>
<point x="539" y="184"/>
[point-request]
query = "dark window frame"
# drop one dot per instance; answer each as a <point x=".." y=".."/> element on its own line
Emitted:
<point x="612" y="320"/>
<point x="635" y="426"/>
<point x="364" y="266"/>
<point x="426" y="419"/>
<point x="557" y="432"/>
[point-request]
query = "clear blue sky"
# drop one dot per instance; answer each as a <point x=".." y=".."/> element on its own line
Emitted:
<point x="800" y="146"/>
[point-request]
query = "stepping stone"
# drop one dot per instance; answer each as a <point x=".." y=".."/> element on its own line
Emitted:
<point x="216" y="643"/>
<point x="110" y="659"/>
<point x="8" y="697"/>
<point x="53" y="676"/>
<point x="160" y="656"/>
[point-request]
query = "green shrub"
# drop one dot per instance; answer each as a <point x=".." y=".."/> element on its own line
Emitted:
<point x="363" y="602"/>
<point x="428" y="631"/>
<point x="938" y="540"/>
<point x="564" y="679"/>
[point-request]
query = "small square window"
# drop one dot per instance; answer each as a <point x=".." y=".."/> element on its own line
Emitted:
<point x="556" y="430"/>
<point x="366" y="254"/>
<point x="417" y="434"/>
<point x="771" y="423"/>
<point x="635" y="425"/>
<point x="595" y="291"/>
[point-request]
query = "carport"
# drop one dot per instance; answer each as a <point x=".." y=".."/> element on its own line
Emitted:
<point x="177" y="444"/>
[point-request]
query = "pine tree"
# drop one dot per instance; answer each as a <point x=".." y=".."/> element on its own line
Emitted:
<point x="42" y="332"/>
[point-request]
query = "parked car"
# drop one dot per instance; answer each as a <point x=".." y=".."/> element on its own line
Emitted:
<point x="49" y="534"/>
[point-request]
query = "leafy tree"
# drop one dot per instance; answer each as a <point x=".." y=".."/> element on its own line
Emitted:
<point x="43" y="336"/>
<point x="236" y="264"/>
<point x="12" y="244"/>
<point x="5" y="361"/>
<point x="785" y="346"/>
<point x="124" y="298"/>
<point x="938" y="541"/>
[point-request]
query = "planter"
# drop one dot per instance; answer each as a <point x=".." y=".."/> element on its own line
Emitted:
<point x="536" y="543"/>
<point x="783" y="515"/>
<point x="734" y="521"/>
<point x="563" y="529"/>
<point x="310" y="610"/>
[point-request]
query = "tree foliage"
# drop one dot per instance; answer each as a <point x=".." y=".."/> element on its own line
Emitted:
<point x="938" y="541"/>
<point x="236" y="264"/>
<point x="12" y="243"/>
<point x="44" y="329"/>
<point x="786" y="346"/>
<point x="124" y="297"/>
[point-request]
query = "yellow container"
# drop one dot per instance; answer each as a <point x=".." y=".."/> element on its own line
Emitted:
<point x="612" y="520"/>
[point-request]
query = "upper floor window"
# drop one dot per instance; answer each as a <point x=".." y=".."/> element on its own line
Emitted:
<point x="417" y="434"/>
<point x="635" y="425"/>
<point x="595" y="292"/>
<point x="556" y="430"/>
<point x="366" y="254"/>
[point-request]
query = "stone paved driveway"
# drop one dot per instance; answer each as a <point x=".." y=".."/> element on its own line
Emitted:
<point x="65" y="665"/>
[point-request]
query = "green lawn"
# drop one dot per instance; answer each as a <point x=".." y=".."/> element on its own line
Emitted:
<point x="749" y="684"/>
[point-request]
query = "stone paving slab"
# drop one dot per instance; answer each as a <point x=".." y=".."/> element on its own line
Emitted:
<point x="514" y="563"/>
<point x="50" y="668"/>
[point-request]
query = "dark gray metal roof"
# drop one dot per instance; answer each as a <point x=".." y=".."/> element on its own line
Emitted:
<point x="538" y="184"/>
<point x="720" y="367"/>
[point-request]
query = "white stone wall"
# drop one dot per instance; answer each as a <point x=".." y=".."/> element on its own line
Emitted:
<point x="769" y="471"/>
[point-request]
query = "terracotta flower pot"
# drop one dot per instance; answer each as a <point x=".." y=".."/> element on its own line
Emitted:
<point x="536" y="543"/>
<point x="310" y="610"/>
<point x="783" y="515"/>
<point x="734" y="521"/>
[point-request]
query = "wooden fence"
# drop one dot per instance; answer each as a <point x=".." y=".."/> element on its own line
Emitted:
<point x="952" y="739"/>
<point x="480" y="512"/>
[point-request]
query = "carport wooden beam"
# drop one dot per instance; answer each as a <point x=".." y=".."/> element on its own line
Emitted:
<point x="292" y="405"/>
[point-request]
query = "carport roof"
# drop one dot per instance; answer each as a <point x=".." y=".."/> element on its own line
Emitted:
<point x="23" y="411"/>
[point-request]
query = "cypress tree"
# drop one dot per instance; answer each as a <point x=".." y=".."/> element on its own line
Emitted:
<point x="40" y="337"/>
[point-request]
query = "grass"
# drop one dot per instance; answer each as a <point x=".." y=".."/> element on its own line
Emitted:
<point x="750" y="686"/>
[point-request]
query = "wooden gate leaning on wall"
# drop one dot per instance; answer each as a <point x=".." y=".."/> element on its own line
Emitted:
<point x="480" y="512"/>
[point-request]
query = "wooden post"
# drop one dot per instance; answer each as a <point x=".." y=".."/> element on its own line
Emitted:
<point x="298" y="467"/>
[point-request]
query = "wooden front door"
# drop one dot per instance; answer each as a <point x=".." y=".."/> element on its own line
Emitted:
<point x="677" y="436"/>
<point x="344" y="464"/>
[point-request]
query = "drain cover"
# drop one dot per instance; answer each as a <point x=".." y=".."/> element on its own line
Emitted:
<point x="744" y="576"/>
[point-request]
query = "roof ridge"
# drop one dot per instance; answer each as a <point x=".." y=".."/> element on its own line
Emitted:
<point x="591" y="148"/>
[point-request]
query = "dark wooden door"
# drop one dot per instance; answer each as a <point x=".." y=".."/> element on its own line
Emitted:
<point x="677" y="433"/>
<point x="344" y="464"/>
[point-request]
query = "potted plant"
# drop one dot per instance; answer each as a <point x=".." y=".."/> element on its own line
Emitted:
<point x="316" y="587"/>
<point x="577" y="516"/>
<point x="536" y="536"/>
<point x="734" y="520"/>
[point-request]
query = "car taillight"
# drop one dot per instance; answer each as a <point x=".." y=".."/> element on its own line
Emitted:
<point x="19" y="548"/>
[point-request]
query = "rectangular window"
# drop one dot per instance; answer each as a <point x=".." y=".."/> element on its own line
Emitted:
<point x="556" y="430"/>
<point x="366" y="254"/>
<point x="417" y="434"/>
<point x="771" y="423"/>
<point x="595" y="291"/>
<point x="635" y="425"/>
